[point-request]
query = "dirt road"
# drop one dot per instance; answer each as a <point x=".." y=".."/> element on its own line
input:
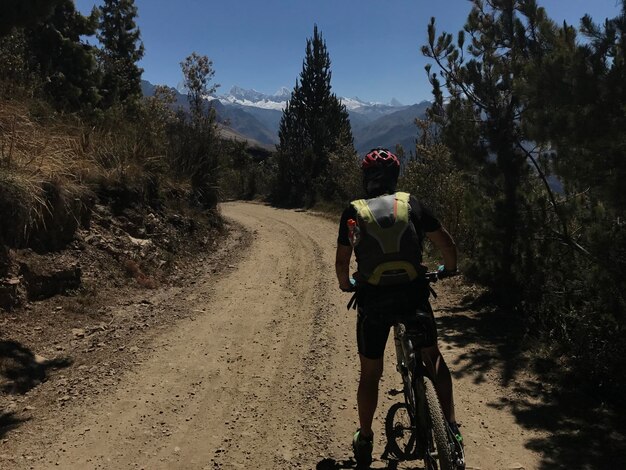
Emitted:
<point x="265" y="376"/>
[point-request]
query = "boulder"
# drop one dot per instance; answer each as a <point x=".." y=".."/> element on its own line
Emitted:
<point x="5" y="260"/>
<point x="10" y="293"/>
<point x="47" y="276"/>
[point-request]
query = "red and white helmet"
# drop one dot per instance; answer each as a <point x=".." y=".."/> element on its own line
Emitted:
<point x="379" y="157"/>
<point x="381" y="169"/>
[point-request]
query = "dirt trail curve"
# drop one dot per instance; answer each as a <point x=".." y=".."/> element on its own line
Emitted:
<point x="264" y="378"/>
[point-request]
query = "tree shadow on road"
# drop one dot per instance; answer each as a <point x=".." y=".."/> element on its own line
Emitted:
<point x="8" y="422"/>
<point x="582" y="433"/>
<point x="21" y="369"/>
<point x="332" y="464"/>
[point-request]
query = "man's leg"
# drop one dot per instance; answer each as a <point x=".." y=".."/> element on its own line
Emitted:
<point x="367" y="395"/>
<point x="443" y="380"/>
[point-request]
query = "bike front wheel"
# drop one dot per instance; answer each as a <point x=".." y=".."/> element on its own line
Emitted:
<point x="441" y="449"/>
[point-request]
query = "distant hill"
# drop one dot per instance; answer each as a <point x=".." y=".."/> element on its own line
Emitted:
<point x="391" y="129"/>
<point x="254" y="116"/>
<point x="233" y="122"/>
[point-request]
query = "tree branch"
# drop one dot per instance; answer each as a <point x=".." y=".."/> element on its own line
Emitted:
<point x="564" y="235"/>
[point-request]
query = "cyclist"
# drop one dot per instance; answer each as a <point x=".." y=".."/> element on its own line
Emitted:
<point x="387" y="239"/>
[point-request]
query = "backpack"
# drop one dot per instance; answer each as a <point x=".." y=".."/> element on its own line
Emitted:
<point x="389" y="249"/>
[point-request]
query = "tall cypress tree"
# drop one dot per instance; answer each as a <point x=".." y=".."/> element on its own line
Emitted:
<point x="67" y="65"/>
<point x="314" y="125"/>
<point x="121" y="50"/>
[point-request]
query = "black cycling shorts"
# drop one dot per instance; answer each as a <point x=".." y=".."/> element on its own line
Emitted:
<point x="381" y="308"/>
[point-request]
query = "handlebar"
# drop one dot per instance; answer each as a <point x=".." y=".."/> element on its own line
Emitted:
<point x="431" y="277"/>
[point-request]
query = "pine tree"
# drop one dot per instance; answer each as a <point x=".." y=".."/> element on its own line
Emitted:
<point x="483" y="124"/>
<point x="66" y="64"/>
<point x="314" y="125"/>
<point x="582" y="91"/>
<point x="121" y="50"/>
<point x="24" y="13"/>
<point x="578" y="92"/>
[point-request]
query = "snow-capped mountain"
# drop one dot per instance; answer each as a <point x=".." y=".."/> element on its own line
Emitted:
<point x="257" y="115"/>
<point x="277" y="101"/>
<point x="255" y="99"/>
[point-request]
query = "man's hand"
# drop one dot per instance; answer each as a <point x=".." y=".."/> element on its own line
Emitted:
<point x="350" y="287"/>
<point x="443" y="272"/>
<point x="444" y="242"/>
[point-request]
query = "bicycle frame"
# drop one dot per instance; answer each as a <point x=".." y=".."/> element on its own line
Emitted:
<point x="412" y="368"/>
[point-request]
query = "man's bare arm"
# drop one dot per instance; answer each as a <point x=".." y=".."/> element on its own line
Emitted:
<point x="342" y="266"/>
<point x="444" y="242"/>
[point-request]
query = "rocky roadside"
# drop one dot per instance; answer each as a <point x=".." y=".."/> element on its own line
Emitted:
<point x="82" y="317"/>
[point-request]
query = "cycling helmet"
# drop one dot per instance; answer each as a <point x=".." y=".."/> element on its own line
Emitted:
<point x="381" y="169"/>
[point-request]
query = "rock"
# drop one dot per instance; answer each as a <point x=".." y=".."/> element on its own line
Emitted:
<point x="40" y="360"/>
<point x="47" y="276"/>
<point x="10" y="293"/>
<point x="140" y="241"/>
<point x="5" y="260"/>
<point x="78" y="332"/>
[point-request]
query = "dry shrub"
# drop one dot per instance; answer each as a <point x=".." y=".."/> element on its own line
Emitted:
<point x="50" y="147"/>
<point x="134" y="270"/>
<point x="41" y="166"/>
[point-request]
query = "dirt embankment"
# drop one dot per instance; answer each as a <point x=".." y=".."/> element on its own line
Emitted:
<point x="259" y="371"/>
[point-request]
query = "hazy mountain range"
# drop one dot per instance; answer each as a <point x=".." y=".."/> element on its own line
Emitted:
<point x="255" y="116"/>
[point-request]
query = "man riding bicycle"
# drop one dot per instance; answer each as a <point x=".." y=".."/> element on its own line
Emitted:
<point x="387" y="231"/>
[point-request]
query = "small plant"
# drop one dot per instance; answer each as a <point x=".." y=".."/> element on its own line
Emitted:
<point x="134" y="270"/>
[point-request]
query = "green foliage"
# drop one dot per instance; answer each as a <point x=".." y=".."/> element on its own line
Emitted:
<point x="24" y="13"/>
<point x="313" y="127"/>
<point x="156" y="117"/>
<point x="198" y="72"/>
<point x="16" y="75"/>
<point x="535" y="128"/>
<point x="66" y="65"/>
<point x="483" y="124"/>
<point x="121" y="50"/>
<point x="195" y="146"/>
<point x="582" y="115"/>
<point x="245" y="171"/>
<point x="433" y="177"/>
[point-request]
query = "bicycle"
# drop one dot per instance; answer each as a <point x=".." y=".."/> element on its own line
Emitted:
<point x="416" y="429"/>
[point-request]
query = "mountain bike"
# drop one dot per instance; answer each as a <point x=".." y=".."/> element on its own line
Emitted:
<point x="416" y="428"/>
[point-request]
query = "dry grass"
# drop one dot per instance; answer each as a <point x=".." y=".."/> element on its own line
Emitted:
<point x="54" y="150"/>
<point x="36" y="160"/>
<point x="50" y="165"/>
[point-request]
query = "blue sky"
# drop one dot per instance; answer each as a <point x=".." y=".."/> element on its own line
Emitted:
<point x="374" y="45"/>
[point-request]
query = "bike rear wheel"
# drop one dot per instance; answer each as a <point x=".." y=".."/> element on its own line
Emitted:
<point x="443" y="448"/>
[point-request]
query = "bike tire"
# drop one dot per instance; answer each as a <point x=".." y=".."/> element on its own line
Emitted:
<point x="438" y="423"/>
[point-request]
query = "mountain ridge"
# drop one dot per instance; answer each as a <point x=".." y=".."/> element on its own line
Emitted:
<point x="251" y="114"/>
